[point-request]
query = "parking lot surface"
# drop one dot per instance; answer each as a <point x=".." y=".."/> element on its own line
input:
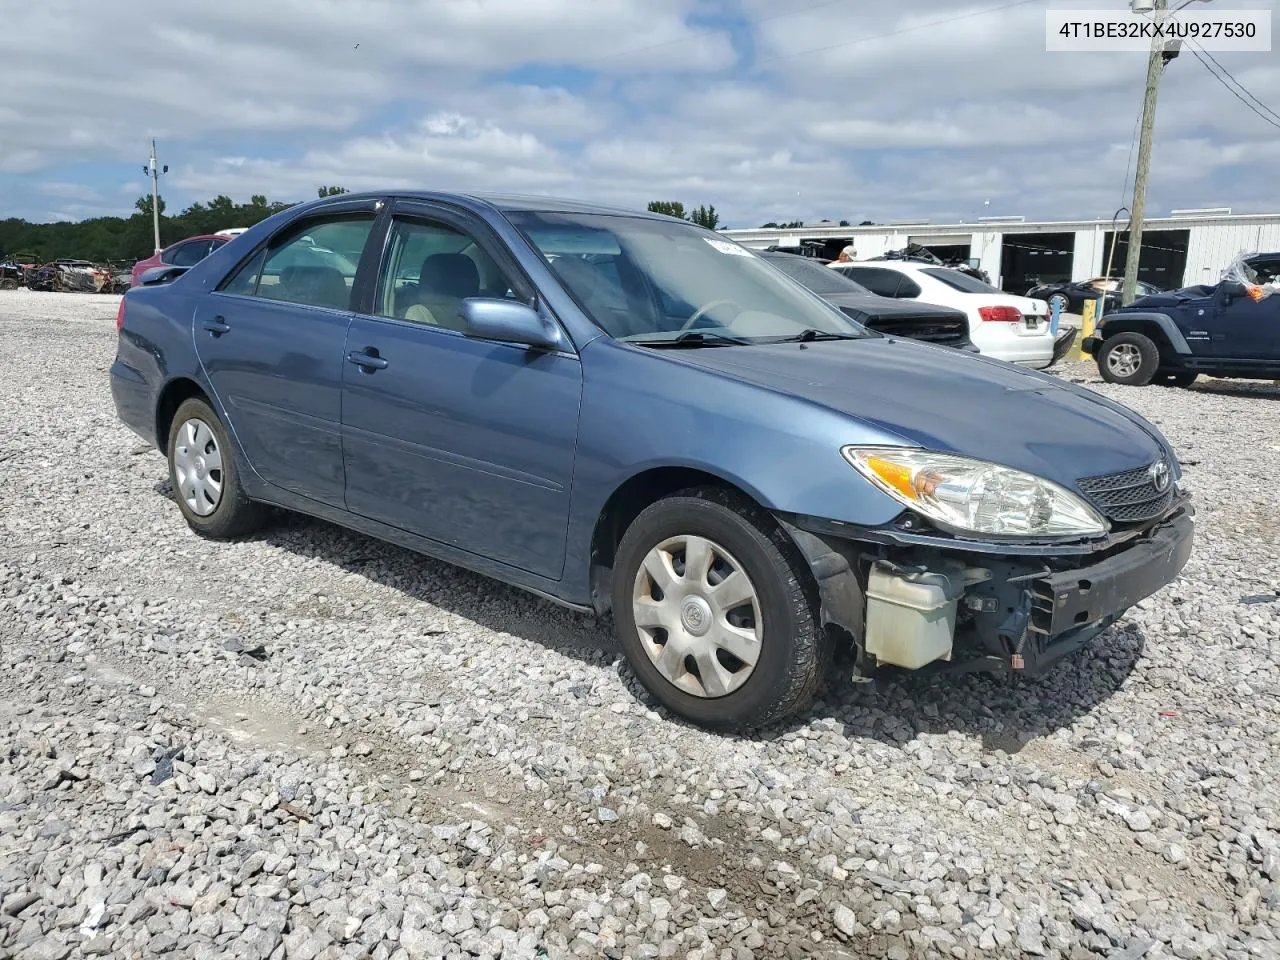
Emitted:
<point x="313" y="744"/>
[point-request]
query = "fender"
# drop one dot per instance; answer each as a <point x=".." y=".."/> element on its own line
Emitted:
<point x="1134" y="322"/>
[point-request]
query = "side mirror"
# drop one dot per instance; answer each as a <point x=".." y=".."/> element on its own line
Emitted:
<point x="509" y="321"/>
<point x="162" y="274"/>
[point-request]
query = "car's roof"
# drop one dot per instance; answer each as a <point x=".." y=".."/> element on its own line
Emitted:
<point x="510" y="202"/>
<point x="905" y="265"/>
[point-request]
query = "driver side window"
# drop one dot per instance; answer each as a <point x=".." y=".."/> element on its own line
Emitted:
<point x="432" y="267"/>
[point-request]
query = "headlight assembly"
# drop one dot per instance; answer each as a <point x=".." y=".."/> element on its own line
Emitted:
<point x="967" y="496"/>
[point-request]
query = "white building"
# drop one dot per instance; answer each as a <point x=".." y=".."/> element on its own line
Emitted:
<point x="1188" y="247"/>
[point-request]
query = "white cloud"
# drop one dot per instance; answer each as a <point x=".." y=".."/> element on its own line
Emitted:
<point x="845" y="112"/>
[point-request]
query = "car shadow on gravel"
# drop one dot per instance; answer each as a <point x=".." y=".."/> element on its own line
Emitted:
<point x="1005" y="712"/>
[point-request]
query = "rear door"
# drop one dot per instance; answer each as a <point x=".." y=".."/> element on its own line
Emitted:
<point x="270" y="339"/>
<point x="466" y="442"/>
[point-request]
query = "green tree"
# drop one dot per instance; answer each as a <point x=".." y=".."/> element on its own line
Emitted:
<point x="331" y="191"/>
<point x="771" y="225"/>
<point x="845" y="223"/>
<point x="706" y="217"/>
<point x="670" y="208"/>
<point x="143" y="205"/>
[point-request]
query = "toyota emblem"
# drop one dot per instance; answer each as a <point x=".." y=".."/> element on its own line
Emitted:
<point x="1160" y="476"/>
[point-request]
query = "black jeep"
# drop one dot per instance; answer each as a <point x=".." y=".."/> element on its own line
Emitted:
<point x="1227" y="329"/>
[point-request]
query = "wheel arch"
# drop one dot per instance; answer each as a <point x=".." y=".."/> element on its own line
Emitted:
<point x="626" y="502"/>
<point x="1157" y="327"/>
<point x="172" y="396"/>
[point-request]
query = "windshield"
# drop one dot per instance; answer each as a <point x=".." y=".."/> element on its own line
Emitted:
<point x="821" y="280"/>
<point x="960" y="281"/>
<point x="647" y="280"/>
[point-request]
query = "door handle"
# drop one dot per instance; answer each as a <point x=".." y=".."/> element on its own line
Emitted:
<point x="367" y="361"/>
<point x="217" y="326"/>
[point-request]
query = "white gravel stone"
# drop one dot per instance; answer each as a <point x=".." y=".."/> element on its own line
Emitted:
<point x="416" y="762"/>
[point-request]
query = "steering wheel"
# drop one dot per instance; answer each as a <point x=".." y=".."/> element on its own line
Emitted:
<point x="706" y="308"/>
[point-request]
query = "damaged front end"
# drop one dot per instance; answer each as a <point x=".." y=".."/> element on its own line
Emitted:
<point x="913" y="597"/>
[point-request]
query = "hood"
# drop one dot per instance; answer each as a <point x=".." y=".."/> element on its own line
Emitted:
<point x="946" y="400"/>
<point x="871" y="304"/>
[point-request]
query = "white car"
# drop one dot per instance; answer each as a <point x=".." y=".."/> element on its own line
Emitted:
<point x="1015" y="329"/>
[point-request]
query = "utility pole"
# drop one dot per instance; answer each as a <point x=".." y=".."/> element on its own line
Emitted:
<point x="1155" y="67"/>
<point x="154" y="171"/>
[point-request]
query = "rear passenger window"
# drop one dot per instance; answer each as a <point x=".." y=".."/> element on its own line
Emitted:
<point x="907" y="287"/>
<point x="314" y="265"/>
<point x="189" y="254"/>
<point x="884" y="282"/>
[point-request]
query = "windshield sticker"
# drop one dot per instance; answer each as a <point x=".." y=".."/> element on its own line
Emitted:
<point x="732" y="249"/>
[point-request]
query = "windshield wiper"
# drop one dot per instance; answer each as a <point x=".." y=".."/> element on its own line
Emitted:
<point x="696" y="338"/>
<point x="810" y="334"/>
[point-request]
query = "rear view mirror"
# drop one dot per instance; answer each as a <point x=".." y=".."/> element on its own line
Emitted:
<point x="509" y="321"/>
<point x="1228" y="290"/>
<point x="163" y="274"/>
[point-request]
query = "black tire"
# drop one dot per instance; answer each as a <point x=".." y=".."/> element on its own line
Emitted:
<point x="1125" y="344"/>
<point x="235" y="515"/>
<point x="795" y="651"/>
<point x="1184" y="379"/>
<point x="1061" y="298"/>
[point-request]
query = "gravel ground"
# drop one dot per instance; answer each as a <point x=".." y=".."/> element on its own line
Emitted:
<point x="311" y="744"/>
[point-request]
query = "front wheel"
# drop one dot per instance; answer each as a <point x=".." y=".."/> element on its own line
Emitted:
<point x="715" y="611"/>
<point x="1060" y="301"/>
<point x="205" y="475"/>
<point x="1128" y="358"/>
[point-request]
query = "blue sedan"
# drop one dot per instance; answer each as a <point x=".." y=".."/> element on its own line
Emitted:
<point x="626" y="413"/>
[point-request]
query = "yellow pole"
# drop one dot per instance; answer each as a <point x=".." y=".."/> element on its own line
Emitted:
<point x="1086" y="327"/>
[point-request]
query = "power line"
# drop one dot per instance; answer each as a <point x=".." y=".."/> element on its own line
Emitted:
<point x="1128" y="166"/>
<point x="1253" y="103"/>
<point x="894" y="33"/>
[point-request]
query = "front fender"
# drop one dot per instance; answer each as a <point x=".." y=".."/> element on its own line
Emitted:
<point x="1140" y="322"/>
<point x="639" y="413"/>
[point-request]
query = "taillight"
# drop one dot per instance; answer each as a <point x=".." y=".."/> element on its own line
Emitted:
<point x="120" y="315"/>
<point x="1000" y="314"/>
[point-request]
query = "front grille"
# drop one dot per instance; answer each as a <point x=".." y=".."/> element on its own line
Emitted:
<point x="930" y="328"/>
<point x="1128" y="497"/>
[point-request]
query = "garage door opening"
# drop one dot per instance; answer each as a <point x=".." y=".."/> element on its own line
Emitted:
<point x="1028" y="260"/>
<point x="1163" y="259"/>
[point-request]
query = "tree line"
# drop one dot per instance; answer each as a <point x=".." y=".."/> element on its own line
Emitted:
<point x="131" y="238"/>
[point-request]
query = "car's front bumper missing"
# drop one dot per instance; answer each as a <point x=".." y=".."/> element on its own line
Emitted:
<point x="1029" y="612"/>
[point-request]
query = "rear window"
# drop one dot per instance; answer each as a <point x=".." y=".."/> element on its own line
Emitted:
<point x="959" y="281"/>
<point x="821" y="280"/>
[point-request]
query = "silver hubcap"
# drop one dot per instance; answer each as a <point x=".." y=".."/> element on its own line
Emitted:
<point x="197" y="467"/>
<point x="1124" y="359"/>
<point x="698" y="616"/>
<point x="1059" y="301"/>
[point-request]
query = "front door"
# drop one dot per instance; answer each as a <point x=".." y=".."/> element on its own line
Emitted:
<point x="1251" y="328"/>
<point x="466" y="442"/>
<point x="271" y="340"/>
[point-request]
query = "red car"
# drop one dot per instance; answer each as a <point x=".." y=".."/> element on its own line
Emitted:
<point x="184" y="253"/>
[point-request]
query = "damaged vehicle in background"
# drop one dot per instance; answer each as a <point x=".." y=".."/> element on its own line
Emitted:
<point x="626" y="413"/>
<point x="916" y="321"/>
<point x="1226" y="329"/>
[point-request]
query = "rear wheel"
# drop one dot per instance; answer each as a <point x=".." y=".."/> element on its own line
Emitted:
<point x="1128" y="358"/>
<point x="715" y="610"/>
<point x="1060" y="301"/>
<point x="205" y="475"/>
<point x="1176" y="379"/>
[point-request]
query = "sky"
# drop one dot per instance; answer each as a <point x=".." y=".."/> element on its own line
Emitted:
<point x="766" y="109"/>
